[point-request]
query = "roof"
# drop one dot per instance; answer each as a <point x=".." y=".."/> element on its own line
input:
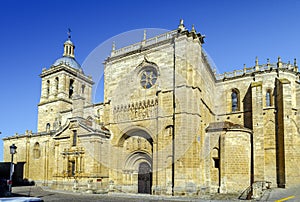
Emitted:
<point x="225" y="125"/>
<point x="68" y="61"/>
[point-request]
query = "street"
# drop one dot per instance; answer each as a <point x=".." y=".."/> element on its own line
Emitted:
<point x="280" y="195"/>
<point x="275" y="194"/>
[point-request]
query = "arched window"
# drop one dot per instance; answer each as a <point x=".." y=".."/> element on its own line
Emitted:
<point x="48" y="127"/>
<point x="36" y="151"/>
<point x="235" y="100"/>
<point x="168" y="131"/>
<point x="268" y="98"/>
<point x="216" y="157"/>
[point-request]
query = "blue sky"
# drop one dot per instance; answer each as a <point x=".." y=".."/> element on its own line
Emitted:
<point x="32" y="35"/>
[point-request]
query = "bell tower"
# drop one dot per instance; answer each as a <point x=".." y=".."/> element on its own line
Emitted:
<point x="61" y="83"/>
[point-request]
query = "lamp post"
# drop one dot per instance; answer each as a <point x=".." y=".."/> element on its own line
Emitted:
<point x="13" y="149"/>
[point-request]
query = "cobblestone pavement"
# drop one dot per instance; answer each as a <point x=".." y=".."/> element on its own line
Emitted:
<point x="53" y="195"/>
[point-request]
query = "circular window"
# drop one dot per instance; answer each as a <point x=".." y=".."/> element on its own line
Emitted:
<point x="148" y="77"/>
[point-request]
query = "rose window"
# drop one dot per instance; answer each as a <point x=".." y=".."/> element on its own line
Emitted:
<point x="148" y="77"/>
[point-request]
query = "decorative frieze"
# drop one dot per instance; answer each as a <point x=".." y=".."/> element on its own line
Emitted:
<point x="145" y="109"/>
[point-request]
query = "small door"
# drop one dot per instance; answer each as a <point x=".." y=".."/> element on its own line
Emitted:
<point x="144" y="178"/>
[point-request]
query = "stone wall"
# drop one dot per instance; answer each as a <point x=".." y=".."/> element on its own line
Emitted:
<point x="164" y="106"/>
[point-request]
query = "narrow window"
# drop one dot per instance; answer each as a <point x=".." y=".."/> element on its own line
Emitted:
<point x="48" y="88"/>
<point x="56" y="82"/>
<point x="234" y="101"/>
<point x="216" y="162"/>
<point x="268" y="98"/>
<point x="36" y="151"/>
<point x="82" y="89"/>
<point x="48" y="127"/>
<point x="71" y="88"/>
<point x="74" y="138"/>
<point x="216" y="158"/>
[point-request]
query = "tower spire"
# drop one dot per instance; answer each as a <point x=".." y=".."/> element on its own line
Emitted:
<point x="69" y="46"/>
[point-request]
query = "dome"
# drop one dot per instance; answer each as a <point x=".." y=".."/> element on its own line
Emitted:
<point x="68" y="61"/>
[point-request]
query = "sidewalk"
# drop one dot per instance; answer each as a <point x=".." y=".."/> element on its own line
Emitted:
<point x="147" y="197"/>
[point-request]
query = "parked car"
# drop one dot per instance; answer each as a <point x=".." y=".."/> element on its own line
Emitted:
<point x="21" y="199"/>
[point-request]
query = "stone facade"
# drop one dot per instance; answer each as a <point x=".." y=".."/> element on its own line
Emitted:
<point x="168" y="124"/>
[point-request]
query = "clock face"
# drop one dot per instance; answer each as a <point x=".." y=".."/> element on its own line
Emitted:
<point x="148" y="77"/>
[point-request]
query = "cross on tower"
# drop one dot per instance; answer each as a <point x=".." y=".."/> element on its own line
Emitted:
<point x="69" y="33"/>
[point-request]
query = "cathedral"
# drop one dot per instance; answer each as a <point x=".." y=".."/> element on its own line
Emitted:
<point x="169" y="123"/>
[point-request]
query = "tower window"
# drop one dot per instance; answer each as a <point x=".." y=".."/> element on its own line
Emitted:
<point x="56" y="82"/>
<point x="268" y="98"/>
<point x="234" y="100"/>
<point x="48" y="88"/>
<point x="82" y="89"/>
<point x="71" y="88"/>
<point x="48" y="127"/>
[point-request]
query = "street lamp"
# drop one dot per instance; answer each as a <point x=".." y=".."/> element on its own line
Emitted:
<point x="13" y="149"/>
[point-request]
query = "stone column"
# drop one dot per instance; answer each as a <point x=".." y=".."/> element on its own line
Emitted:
<point x="62" y="86"/>
<point x="27" y="164"/>
<point x="77" y="163"/>
<point x="89" y="94"/>
<point x="287" y="171"/>
<point x="44" y="95"/>
<point x="67" y="84"/>
<point x="258" y="135"/>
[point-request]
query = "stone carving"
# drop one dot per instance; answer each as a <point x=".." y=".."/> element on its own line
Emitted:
<point x="137" y="144"/>
<point x="135" y="111"/>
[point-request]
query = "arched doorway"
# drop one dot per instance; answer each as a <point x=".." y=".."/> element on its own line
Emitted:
<point x="137" y="145"/>
<point x="144" y="178"/>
